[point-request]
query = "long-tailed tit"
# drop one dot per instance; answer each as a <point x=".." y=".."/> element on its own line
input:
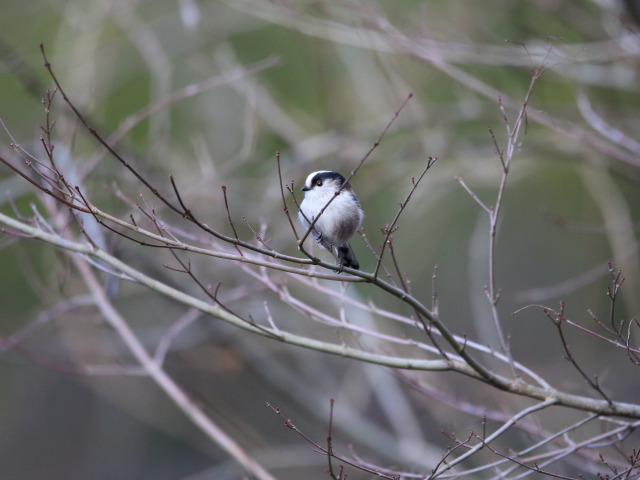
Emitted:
<point x="339" y="221"/>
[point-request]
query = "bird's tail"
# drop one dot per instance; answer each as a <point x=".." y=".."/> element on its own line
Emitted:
<point x="346" y="257"/>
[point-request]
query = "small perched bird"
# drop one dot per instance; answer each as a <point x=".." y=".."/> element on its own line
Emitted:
<point x="341" y="219"/>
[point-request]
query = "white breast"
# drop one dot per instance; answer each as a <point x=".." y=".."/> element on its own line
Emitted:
<point x="338" y="222"/>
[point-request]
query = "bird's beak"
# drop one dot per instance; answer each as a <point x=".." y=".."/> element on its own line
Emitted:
<point x="305" y="189"/>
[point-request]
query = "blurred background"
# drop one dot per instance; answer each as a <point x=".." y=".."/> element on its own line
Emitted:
<point x="208" y="92"/>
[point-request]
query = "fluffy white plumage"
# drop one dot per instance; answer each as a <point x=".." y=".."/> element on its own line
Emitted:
<point x="340" y="220"/>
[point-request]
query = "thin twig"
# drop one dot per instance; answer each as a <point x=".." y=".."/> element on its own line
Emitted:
<point x="285" y="208"/>
<point x="259" y="237"/>
<point x="226" y="206"/>
<point x="486" y="440"/>
<point x="330" y="453"/>
<point x="557" y="319"/>
<point x="392" y="227"/>
<point x="42" y="188"/>
<point x="473" y="195"/>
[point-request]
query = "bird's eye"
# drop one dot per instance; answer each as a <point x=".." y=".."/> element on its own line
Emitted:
<point x="319" y="183"/>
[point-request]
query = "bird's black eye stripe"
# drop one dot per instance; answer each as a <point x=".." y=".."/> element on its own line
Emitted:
<point x="319" y="179"/>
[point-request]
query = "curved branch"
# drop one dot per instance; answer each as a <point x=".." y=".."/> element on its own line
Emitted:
<point x="517" y="387"/>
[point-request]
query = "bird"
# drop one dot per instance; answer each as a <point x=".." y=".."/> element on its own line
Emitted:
<point x="340" y="219"/>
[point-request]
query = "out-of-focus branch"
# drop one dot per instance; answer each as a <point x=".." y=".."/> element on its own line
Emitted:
<point x="384" y="37"/>
<point x="183" y="93"/>
<point x="161" y="378"/>
<point x="500" y="431"/>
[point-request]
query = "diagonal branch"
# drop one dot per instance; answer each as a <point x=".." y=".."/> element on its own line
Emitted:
<point x="517" y="387"/>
